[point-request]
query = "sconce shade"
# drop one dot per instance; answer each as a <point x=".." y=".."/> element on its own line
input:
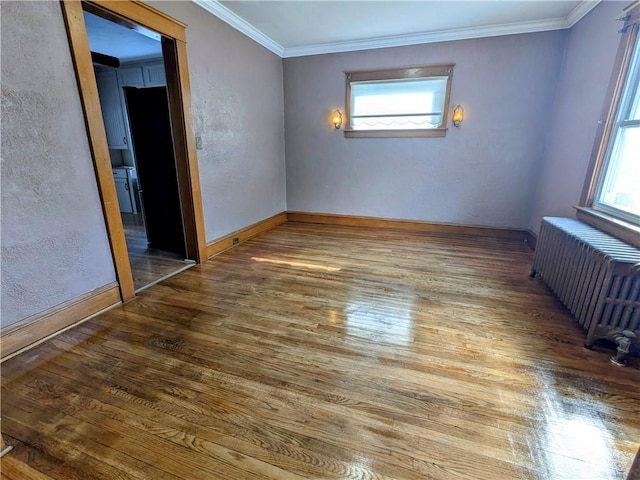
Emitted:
<point x="336" y="119"/>
<point x="458" y="116"/>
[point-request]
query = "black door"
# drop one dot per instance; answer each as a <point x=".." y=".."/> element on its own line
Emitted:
<point x="148" y="110"/>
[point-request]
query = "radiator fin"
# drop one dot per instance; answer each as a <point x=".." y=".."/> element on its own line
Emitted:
<point x="596" y="276"/>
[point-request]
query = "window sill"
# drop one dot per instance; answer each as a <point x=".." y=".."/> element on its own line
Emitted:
<point x="431" y="132"/>
<point x="618" y="228"/>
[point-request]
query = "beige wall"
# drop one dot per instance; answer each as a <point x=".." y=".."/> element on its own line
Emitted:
<point x="482" y="173"/>
<point x="54" y="241"/>
<point x="238" y="110"/>
<point x="516" y="148"/>
<point x="586" y="69"/>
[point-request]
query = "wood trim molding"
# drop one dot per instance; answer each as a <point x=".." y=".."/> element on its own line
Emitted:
<point x="175" y="54"/>
<point x="425" y="133"/>
<point x="85" y="75"/>
<point x="613" y="226"/>
<point x="530" y="238"/>
<point x="401" y="73"/>
<point x="416" y="71"/>
<point x="179" y="93"/>
<point x="36" y="328"/>
<point x="409" y="225"/>
<point x="244" y="234"/>
<point x="606" y="123"/>
<point x="144" y="15"/>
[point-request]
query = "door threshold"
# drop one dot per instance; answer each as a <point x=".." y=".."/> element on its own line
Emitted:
<point x="188" y="265"/>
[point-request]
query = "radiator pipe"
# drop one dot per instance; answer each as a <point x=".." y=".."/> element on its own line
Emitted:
<point x="623" y="339"/>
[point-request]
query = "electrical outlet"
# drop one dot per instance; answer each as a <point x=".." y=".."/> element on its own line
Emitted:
<point x="236" y="240"/>
<point x="198" y="143"/>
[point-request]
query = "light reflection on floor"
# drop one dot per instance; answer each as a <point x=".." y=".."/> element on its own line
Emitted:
<point x="311" y="266"/>
<point x="571" y="444"/>
<point x="379" y="320"/>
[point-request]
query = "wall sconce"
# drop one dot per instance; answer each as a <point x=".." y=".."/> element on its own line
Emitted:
<point x="336" y="119"/>
<point x="458" y="116"/>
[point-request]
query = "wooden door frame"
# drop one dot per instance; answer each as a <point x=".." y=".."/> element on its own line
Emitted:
<point x="179" y="92"/>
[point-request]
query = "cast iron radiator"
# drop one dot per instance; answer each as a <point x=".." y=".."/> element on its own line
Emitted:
<point x="596" y="276"/>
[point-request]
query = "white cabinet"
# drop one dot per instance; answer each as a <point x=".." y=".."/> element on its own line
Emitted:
<point x="124" y="198"/>
<point x="141" y="75"/>
<point x="154" y="75"/>
<point x="126" y="188"/>
<point x="112" y="100"/>
<point x="112" y="112"/>
<point x="131" y="76"/>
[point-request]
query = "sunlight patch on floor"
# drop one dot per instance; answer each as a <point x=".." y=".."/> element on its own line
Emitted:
<point x="311" y="266"/>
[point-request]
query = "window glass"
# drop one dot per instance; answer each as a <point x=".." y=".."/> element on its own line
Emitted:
<point x="621" y="186"/>
<point x="619" y="189"/>
<point x="399" y="102"/>
<point x="404" y="104"/>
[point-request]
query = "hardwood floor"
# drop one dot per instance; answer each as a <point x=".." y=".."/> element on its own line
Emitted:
<point x="148" y="265"/>
<point x="328" y="352"/>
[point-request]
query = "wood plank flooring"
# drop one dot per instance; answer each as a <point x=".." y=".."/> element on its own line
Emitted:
<point x="328" y="352"/>
<point x="148" y="265"/>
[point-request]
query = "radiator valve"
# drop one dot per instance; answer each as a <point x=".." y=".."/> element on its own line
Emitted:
<point x="623" y="339"/>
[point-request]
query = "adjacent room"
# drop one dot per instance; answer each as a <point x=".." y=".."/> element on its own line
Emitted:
<point x="131" y="80"/>
<point x="310" y="239"/>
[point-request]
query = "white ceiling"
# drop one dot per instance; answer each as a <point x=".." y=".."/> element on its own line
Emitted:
<point x="309" y="27"/>
<point x="118" y="41"/>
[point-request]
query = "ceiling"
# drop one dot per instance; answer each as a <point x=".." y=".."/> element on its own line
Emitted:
<point x="126" y="44"/>
<point x="310" y="27"/>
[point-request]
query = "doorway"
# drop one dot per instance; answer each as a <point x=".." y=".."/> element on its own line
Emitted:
<point x="162" y="223"/>
<point x="131" y="83"/>
<point x="155" y="239"/>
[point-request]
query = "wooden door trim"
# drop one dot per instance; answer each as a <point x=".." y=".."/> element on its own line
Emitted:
<point x="85" y="75"/>
<point x="179" y="93"/>
<point x="178" y="85"/>
<point x="142" y="14"/>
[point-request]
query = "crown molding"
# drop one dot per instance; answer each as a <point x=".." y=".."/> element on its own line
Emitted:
<point x="227" y="16"/>
<point x="431" y="37"/>
<point x="580" y="11"/>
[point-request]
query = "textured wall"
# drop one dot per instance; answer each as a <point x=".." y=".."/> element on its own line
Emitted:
<point x="54" y="242"/>
<point x="480" y="173"/>
<point x="590" y="53"/>
<point x="237" y="98"/>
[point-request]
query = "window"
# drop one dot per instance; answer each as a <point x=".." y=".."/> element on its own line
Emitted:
<point x="619" y="188"/>
<point x="612" y="190"/>
<point x="403" y="102"/>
